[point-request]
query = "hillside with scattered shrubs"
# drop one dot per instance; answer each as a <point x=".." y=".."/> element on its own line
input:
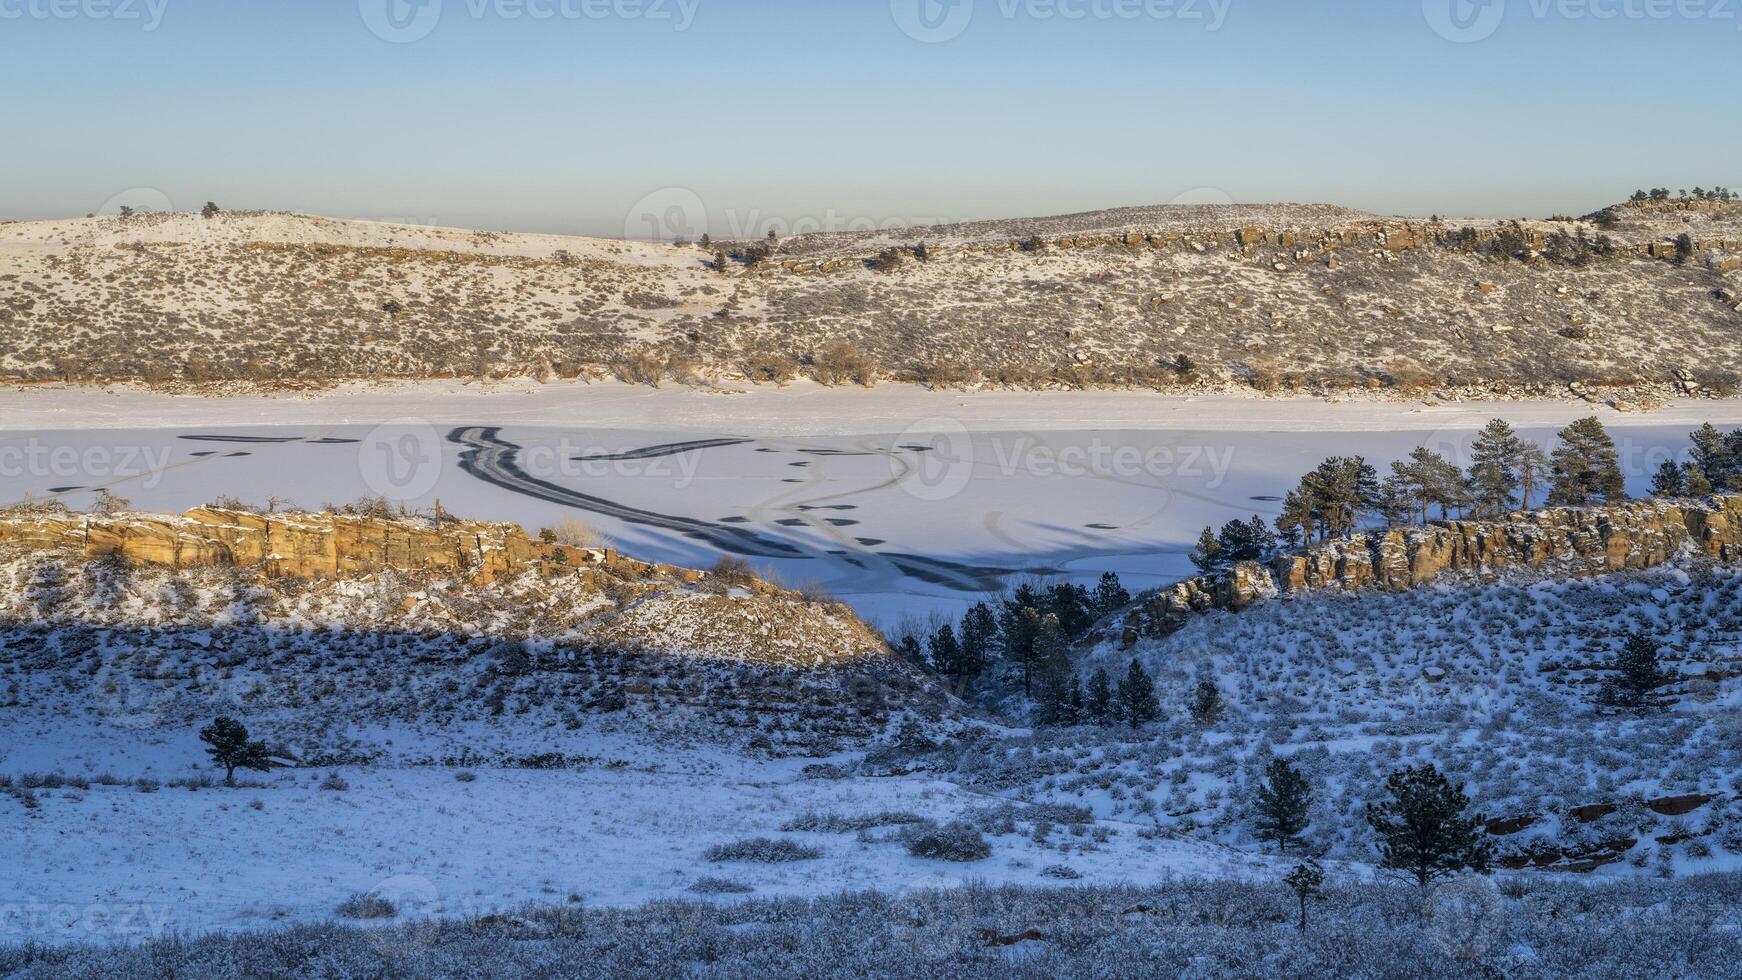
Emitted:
<point x="1642" y="297"/>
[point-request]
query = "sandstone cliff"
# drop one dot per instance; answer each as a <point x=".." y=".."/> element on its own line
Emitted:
<point x="311" y="545"/>
<point x="1570" y="541"/>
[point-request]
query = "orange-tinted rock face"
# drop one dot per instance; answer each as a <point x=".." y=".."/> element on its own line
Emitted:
<point x="298" y="545"/>
<point x="1579" y="541"/>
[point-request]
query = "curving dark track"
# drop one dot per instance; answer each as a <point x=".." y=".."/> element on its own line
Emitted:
<point x="656" y="452"/>
<point x="494" y="460"/>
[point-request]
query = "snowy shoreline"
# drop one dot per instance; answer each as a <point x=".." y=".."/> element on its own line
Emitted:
<point x="803" y="408"/>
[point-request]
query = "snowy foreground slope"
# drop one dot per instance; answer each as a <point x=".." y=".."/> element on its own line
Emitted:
<point x="465" y="751"/>
<point x="1494" y="683"/>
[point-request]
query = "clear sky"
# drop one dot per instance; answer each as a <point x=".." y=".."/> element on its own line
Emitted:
<point x="588" y="115"/>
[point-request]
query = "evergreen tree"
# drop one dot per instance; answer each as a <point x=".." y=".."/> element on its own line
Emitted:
<point x="1694" y="482"/>
<point x="1670" y="480"/>
<point x="1425" y="834"/>
<point x="1137" y="702"/>
<point x="1073" y="607"/>
<point x="1284" y="799"/>
<point x="1018" y="628"/>
<point x="211" y="210"/>
<point x="1075" y="700"/>
<point x="1307" y="882"/>
<point x="979" y="635"/>
<point x="946" y="653"/>
<point x="910" y="650"/>
<point x="1100" y="703"/>
<point x="1053" y="655"/>
<point x="1718" y="457"/>
<point x="1110" y="596"/>
<point x="1638" y="675"/>
<point x="1425" y="479"/>
<point x="227" y="743"/>
<point x="1331" y="499"/>
<point x="1244" y="541"/>
<point x="1587" y="468"/>
<point x="1495" y="458"/>
<point x="1208" y="554"/>
<point x="1207" y="706"/>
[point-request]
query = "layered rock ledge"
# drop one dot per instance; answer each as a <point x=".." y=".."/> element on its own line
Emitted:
<point x="1570" y="541"/>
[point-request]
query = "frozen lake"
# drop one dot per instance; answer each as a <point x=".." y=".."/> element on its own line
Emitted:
<point x="898" y="501"/>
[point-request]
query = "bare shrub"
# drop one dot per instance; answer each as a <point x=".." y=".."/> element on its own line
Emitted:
<point x="578" y="534"/>
<point x="367" y="906"/>
<point x="642" y="367"/>
<point x="842" y="363"/>
<point x="683" y="369"/>
<point x="762" y="850"/>
<point x="889" y="260"/>
<point x="732" y="571"/>
<point x="1406" y="375"/>
<point x="954" y="841"/>
<point x="947" y="374"/>
<point x="718" y="886"/>
<point x="772" y="367"/>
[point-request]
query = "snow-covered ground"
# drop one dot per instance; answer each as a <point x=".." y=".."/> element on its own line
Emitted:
<point x="113" y="863"/>
<point x="897" y="499"/>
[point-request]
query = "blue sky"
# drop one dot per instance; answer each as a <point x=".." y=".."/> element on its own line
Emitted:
<point x="826" y="112"/>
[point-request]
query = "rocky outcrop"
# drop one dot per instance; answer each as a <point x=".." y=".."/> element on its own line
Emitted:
<point x="313" y="545"/>
<point x="1570" y="541"/>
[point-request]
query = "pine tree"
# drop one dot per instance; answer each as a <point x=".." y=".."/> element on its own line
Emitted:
<point x="1137" y="702"/>
<point x="1110" y="596"/>
<point x="1494" y="464"/>
<point x="1207" y="555"/>
<point x="1284" y="800"/>
<point x="946" y="653"/>
<point x="1425" y="834"/>
<point x="979" y="634"/>
<point x="1587" y="467"/>
<point x="1307" y="882"/>
<point x="228" y="745"/>
<point x="1073" y="607"/>
<point x="1718" y="457"/>
<point x="1100" y="703"/>
<point x="1670" y="480"/>
<point x="910" y="650"/>
<point x="1638" y="674"/>
<point x="1053" y="655"/>
<point x="1694" y="482"/>
<point x="1075" y="700"/>
<point x="1018" y="628"/>
<point x="1207" y="706"/>
<point x="211" y="210"/>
